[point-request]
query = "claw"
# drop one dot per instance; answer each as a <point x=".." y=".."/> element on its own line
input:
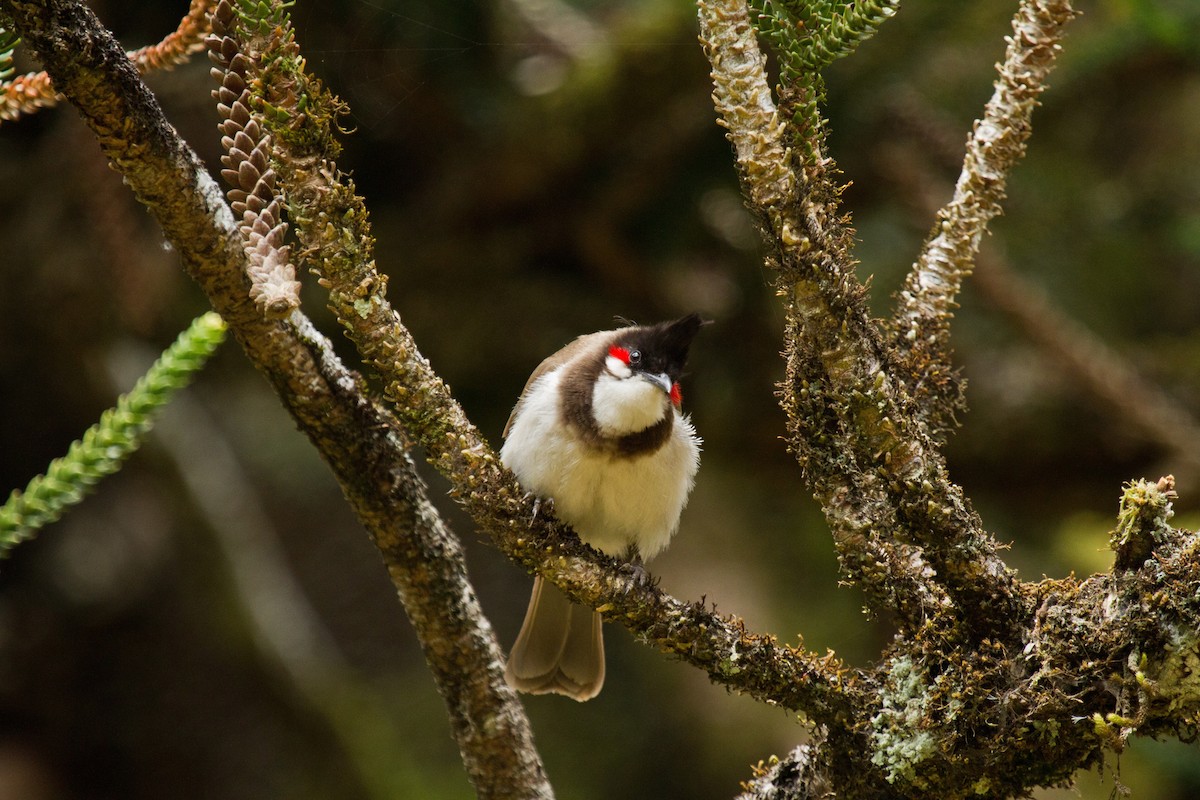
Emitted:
<point x="638" y="574"/>
<point x="540" y="503"/>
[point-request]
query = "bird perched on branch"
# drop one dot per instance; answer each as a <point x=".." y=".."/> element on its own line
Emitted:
<point x="599" y="431"/>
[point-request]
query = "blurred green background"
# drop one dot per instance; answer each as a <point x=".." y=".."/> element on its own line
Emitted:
<point x="213" y="622"/>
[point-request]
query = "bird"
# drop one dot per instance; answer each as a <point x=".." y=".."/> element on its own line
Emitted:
<point x="599" y="433"/>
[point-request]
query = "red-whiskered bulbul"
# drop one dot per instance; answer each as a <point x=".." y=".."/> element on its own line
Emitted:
<point x="598" y="430"/>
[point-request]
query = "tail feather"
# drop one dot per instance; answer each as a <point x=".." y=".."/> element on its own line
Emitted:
<point x="560" y="648"/>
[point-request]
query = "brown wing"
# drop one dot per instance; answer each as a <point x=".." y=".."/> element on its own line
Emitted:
<point x="557" y="359"/>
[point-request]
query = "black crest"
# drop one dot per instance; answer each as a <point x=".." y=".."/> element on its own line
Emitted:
<point x="664" y="347"/>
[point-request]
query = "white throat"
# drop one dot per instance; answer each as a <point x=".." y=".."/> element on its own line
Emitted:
<point x="625" y="405"/>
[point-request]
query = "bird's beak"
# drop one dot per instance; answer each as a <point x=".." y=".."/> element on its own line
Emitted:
<point x="659" y="379"/>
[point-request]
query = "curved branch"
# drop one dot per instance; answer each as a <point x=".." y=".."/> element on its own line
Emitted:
<point x="356" y="436"/>
<point x="332" y="224"/>
<point x="351" y="431"/>
<point x="741" y="660"/>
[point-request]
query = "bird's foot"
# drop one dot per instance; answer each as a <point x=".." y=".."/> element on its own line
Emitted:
<point x="541" y="505"/>
<point x="640" y="578"/>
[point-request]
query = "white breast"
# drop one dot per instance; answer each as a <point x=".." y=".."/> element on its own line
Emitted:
<point x="627" y="405"/>
<point x="610" y="501"/>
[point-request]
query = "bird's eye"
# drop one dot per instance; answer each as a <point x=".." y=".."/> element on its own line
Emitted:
<point x="635" y="357"/>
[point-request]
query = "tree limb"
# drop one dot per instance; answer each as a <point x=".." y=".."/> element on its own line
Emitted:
<point x="332" y="224"/>
<point x="903" y="530"/>
<point x="357" y="437"/>
<point x="349" y="430"/>
<point x="991" y="688"/>
<point x="921" y="321"/>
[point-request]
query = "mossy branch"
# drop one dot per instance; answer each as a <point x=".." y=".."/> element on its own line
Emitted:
<point x="353" y="433"/>
<point x="359" y="440"/>
<point x="991" y="688"/>
<point x="925" y="306"/>
<point x="333" y="227"/>
<point x="1072" y="668"/>
<point x="903" y="530"/>
<point x="105" y="446"/>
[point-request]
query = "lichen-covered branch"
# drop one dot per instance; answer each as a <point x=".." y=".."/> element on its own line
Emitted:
<point x="903" y="530"/>
<point x="332" y="225"/>
<point x="1102" y="659"/>
<point x="356" y="436"/>
<point x="1049" y="675"/>
<point x="990" y="688"/>
<point x="921" y="322"/>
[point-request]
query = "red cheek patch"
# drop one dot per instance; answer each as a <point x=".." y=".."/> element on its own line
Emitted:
<point x="619" y="353"/>
<point x="676" y="393"/>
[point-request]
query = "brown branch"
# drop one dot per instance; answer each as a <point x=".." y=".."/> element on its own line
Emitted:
<point x="1101" y="660"/>
<point x="332" y="225"/>
<point x="427" y="565"/>
<point x="353" y="433"/>
<point x="357" y="437"/>
<point x="1072" y="670"/>
<point x="941" y="715"/>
